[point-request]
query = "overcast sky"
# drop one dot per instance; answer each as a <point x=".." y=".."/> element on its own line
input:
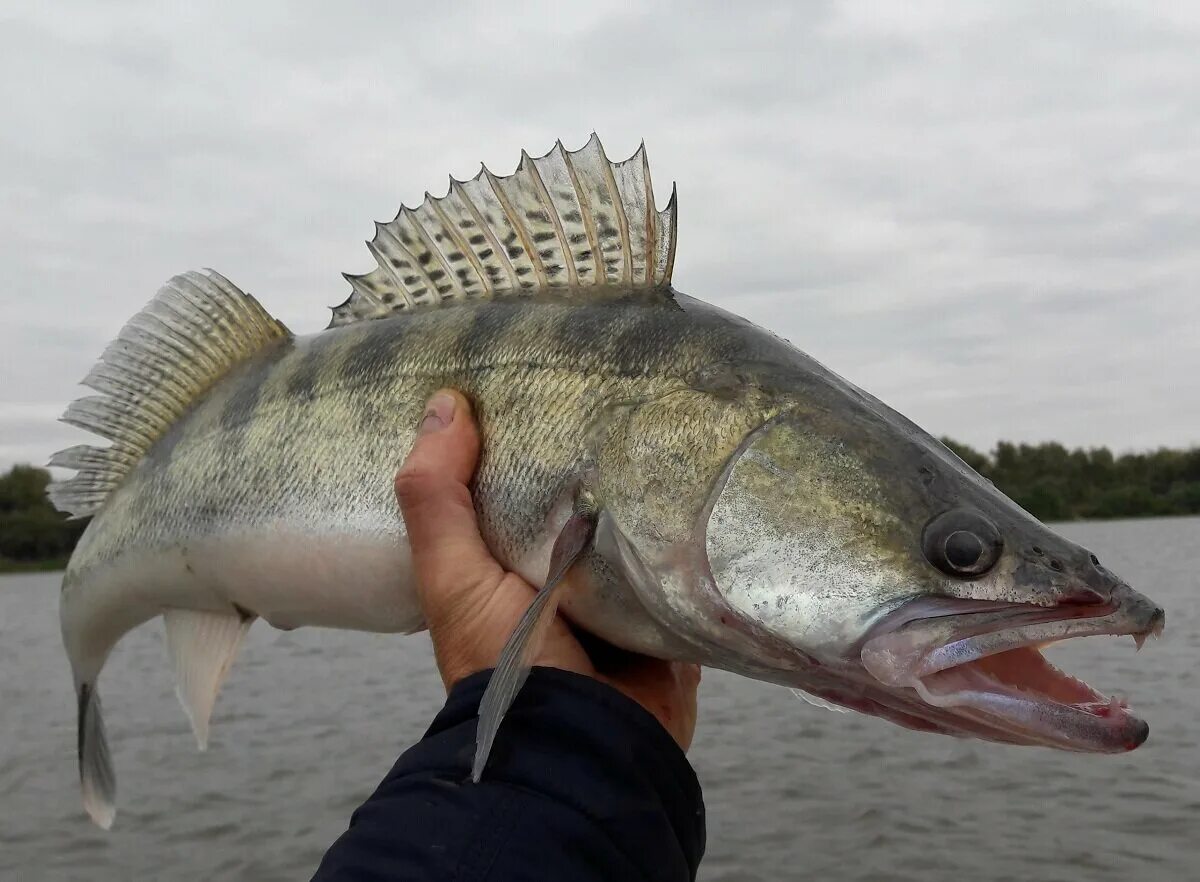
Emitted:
<point x="987" y="214"/>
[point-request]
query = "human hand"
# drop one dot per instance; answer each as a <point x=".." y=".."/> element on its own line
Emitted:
<point x="472" y="604"/>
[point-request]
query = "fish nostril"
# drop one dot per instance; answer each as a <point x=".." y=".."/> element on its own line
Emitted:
<point x="1095" y="560"/>
<point x="1037" y="549"/>
<point x="1056" y="565"/>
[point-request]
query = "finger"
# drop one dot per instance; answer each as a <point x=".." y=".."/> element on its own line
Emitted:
<point x="689" y="675"/>
<point x="666" y="689"/>
<point x="449" y="555"/>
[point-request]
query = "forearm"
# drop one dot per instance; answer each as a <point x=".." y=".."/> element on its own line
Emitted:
<point x="583" y="784"/>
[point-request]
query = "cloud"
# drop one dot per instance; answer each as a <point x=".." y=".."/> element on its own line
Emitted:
<point x="987" y="214"/>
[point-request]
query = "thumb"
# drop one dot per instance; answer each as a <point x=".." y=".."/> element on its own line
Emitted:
<point x="449" y="555"/>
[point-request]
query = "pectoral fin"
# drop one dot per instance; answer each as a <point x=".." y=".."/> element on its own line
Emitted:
<point x="522" y="647"/>
<point x="203" y="646"/>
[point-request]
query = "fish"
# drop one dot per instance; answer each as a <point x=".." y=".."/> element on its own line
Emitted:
<point x="678" y="482"/>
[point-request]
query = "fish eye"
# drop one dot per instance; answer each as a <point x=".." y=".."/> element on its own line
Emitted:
<point x="962" y="543"/>
<point x="963" y="549"/>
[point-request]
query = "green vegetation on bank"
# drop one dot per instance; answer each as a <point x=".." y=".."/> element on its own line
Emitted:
<point x="1057" y="484"/>
<point x="1050" y="481"/>
<point x="33" y="535"/>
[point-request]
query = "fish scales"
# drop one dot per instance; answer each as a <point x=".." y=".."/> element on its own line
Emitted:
<point x="746" y="508"/>
<point x="305" y="437"/>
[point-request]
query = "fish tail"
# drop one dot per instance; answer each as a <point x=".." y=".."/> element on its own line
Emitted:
<point x="89" y="634"/>
<point x="97" y="780"/>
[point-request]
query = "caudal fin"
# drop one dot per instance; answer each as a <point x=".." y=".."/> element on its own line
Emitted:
<point x="96" y="778"/>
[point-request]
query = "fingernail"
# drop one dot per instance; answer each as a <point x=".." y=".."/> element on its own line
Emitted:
<point x="439" y="413"/>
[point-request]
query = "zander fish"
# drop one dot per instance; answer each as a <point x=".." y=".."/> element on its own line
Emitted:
<point x="683" y="483"/>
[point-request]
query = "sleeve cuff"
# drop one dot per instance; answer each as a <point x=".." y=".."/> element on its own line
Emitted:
<point x="584" y="744"/>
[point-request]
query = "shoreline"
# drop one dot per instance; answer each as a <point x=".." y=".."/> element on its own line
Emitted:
<point x="24" y="567"/>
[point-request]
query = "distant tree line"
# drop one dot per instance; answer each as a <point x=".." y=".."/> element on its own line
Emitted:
<point x="33" y="534"/>
<point x="1057" y="484"/>
<point x="1052" y="482"/>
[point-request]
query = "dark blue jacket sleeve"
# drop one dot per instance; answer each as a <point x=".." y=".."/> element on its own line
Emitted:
<point x="582" y="784"/>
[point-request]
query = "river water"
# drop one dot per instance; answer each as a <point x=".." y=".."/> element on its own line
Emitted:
<point x="311" y="720"/>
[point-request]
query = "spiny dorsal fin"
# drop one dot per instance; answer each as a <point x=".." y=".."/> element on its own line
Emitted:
<point x="563" y="222"/>
<point x="194" y="330"/>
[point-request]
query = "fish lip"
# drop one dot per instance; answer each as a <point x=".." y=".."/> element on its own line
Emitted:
<point x="903" y="646"/>
<point x="1033" y="629"/>
<point x="940" y="653"/>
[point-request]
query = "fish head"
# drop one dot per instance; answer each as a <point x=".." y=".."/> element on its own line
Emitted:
<point x="912" y="588"/>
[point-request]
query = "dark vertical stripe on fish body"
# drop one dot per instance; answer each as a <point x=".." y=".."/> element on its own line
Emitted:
<point x="373" y="355"/>
<point x="241" y="406"/>
<point x="302" y="381"/>
<point x="644" y="342"/>
<point x="491" y="324"/>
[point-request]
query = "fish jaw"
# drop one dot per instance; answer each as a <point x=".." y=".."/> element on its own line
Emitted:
<point x="964" y="669"/>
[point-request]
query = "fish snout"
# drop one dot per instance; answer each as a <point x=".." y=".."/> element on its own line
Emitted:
<point x="1093" y="582"/>
<point x="1100" y="587"/>
<point x="1137" y="613"/>
<point x="1145" y="617"/>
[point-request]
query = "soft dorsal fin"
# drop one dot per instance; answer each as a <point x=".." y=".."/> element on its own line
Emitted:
<point x="194" y="330"/>
<point x="566" y="221"/>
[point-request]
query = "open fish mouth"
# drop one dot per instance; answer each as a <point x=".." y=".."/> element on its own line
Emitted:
<point x="982" y="663"/>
